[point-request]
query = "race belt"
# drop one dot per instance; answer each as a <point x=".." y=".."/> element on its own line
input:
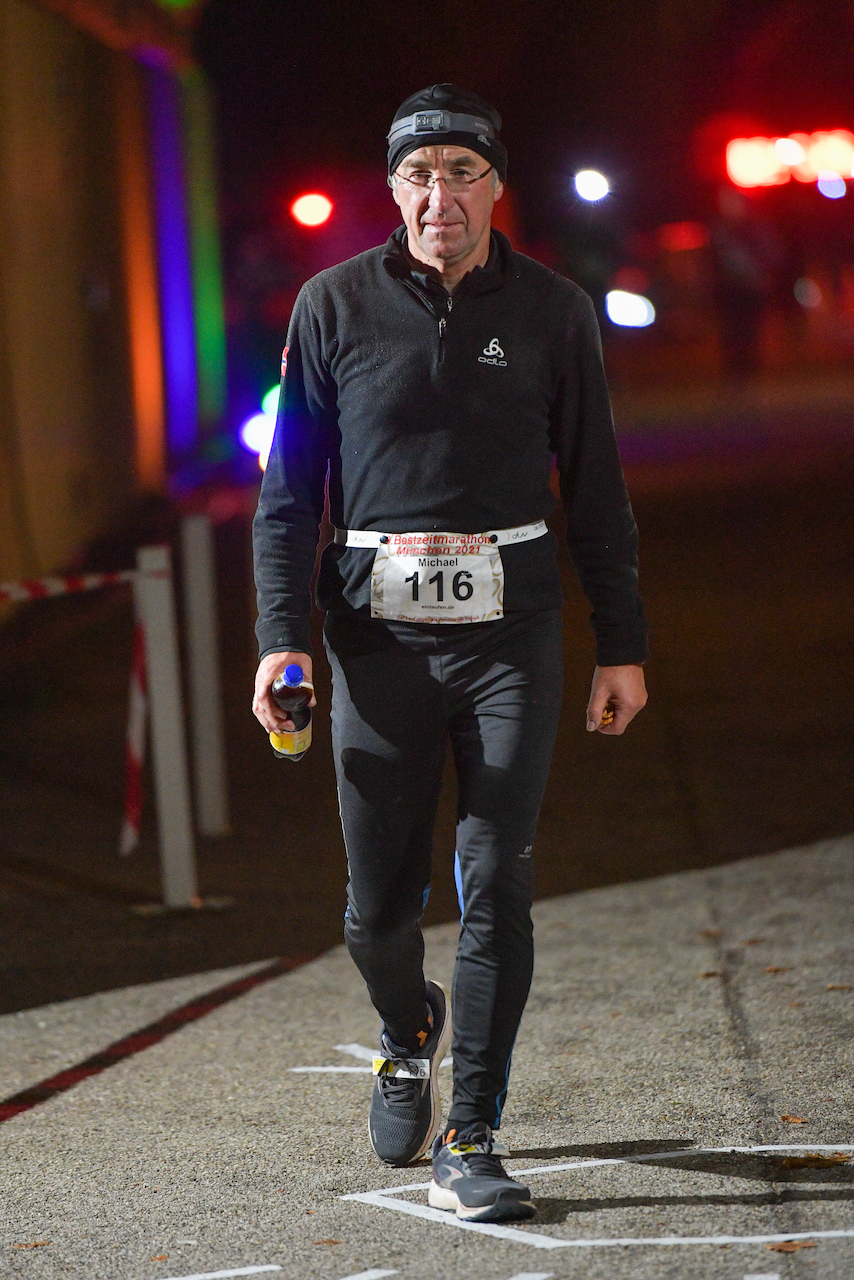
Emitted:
<point x="426" y="541"/>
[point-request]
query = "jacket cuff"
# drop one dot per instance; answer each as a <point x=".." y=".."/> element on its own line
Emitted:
<point x="610" y="653"/>
<point x="285" y="635"/>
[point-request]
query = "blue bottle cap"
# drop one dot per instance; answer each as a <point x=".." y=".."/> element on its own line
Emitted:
<point x="293" y="674"/>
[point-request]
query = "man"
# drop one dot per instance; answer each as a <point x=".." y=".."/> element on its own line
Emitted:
<point x="436" y="379"/>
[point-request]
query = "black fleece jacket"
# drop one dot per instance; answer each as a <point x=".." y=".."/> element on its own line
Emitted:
<point x="436" y="412"/>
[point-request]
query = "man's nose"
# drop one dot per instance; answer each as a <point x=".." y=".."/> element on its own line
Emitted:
<point x="440" y="197"/>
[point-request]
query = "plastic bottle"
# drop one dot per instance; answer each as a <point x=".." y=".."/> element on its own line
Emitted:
<point x="293" y="693"/>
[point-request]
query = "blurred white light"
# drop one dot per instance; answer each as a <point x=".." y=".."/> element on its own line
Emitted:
<point x="831" y="184"/>
<point x="591" y="185"/>
<point x="789" y="151"/>
<point x="807" y="292"/>
<point x="631" y="310"/>
<point x="256" y="435"/>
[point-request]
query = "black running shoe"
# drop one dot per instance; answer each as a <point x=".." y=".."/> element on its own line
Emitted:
<point x="405" y="1111"/>
<point x="470" y="1180"/>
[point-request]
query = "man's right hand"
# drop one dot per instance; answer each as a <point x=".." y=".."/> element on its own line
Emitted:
<point x="271" y="716"/>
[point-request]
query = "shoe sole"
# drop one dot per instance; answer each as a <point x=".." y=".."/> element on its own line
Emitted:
<point x="506" y="1207"/>
<point x="435" y="1112"/>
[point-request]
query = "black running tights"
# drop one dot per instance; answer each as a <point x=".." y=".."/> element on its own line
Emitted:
<point x="400" y="691"/>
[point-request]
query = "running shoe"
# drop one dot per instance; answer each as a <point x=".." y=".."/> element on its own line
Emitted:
<point x="470" y="1180"/>
<point x="405" y="1113"/>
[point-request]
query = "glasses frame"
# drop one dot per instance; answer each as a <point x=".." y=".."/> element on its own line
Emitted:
<point x="434" y="178"/>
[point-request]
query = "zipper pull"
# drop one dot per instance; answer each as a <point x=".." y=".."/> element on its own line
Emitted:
<point x="442" y="323"/>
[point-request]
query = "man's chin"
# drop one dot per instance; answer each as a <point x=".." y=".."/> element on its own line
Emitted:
<point x="447" y="245"/>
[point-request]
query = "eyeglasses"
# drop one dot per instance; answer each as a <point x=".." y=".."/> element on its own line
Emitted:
<point x="455" y="182"/>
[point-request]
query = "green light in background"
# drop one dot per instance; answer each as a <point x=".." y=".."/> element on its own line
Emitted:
<point x="204" y="234"/>
<point x="270" y="403"/>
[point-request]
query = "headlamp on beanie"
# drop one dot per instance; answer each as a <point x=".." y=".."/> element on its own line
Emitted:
<point x="445" y="115"/>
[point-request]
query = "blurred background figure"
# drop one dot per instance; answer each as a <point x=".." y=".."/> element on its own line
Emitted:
<point x="748" y="255"/>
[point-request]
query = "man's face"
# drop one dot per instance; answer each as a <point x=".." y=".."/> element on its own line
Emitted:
<point x="446" y="226"/>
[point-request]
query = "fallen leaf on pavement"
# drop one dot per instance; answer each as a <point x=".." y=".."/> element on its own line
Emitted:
<point x="791" y="1246"/>
<point x="159" y="1257"/>
<point x="794" y="1120"/>
<point x="815" y="1161"/>
<point x="711" y="973"/>
<point x="838" y="986"/>
<point x="777" y="968"/>
<point x="36" y="1244"/>
<point x="710" y="933"/>
<point x="326" y="1242"/>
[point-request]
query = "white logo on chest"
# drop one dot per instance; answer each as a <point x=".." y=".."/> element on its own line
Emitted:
<point x="493" y="354"/>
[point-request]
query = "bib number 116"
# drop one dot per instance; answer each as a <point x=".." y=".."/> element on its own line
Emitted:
<point x="460" y="584"/>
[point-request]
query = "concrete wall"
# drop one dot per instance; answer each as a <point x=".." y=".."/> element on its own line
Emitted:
<point x="66" y="417"/>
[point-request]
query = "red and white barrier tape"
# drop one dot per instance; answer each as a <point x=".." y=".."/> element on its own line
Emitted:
<point x="135" y="747"/>
<point x="40" y="588"/>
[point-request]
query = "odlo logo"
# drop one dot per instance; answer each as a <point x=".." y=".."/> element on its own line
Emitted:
<point x="493" y="354"/>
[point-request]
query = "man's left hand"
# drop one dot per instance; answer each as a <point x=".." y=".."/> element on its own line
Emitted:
<point x="624" y="688"/>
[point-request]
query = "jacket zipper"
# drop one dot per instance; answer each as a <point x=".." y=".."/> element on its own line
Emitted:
<point x="443" y="320"/>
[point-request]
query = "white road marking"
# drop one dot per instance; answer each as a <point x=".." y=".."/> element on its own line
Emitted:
<point x="675" y="1155"/>
<point x="387" y="1199"/>
<point x="540" y="1275"/>
<point x="360" y="1051"/>
<point x="367" y="1055"/>
<point x="763" y="1275"/>
<point x="218" y="1275"/>
<point x="340" y="1070"/>
<point x="374" y="1274"/>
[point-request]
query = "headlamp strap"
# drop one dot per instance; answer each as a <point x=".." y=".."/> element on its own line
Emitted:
<point x="427" y="122"/>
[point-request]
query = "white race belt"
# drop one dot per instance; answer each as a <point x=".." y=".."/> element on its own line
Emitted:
<point x="438" y="577"/>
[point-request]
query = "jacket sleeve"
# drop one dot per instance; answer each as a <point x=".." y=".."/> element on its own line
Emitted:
<point x="290" y="508"/>
<point x="600" y="527"/>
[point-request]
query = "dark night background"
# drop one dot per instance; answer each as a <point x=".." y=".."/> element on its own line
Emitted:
<point x="305" y="85"/>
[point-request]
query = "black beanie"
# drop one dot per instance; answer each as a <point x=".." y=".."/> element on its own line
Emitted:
<point x="444" y="115"/>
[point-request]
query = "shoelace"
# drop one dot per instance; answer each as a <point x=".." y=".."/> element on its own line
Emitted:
<point x="399" y="1092"/>
<point x="480" y="1160"/>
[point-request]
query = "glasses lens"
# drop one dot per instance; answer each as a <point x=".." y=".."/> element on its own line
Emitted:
<point x="455" y="182"/>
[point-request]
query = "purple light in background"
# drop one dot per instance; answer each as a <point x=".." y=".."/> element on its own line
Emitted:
<point x="173" y="244"/>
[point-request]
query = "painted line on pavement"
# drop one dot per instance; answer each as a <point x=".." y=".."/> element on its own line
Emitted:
<point x="374" y="1274"/>
<point x="533" y="1275"/>
<point x="762" y="1275"/>
<point x="356" y="1051"/>
<point x="219" y="1275"/>
<point x="143" y="1038"/>
<point x="347" y="1071"/>
<point x="387" y="1199"/>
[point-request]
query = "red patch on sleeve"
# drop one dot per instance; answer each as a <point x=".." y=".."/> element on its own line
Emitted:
<point x="285" y="361"/>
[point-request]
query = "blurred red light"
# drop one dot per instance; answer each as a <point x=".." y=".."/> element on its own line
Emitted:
<point x="682" y="237"/>
<point x="311" y="209"/>
<point x="766" y="162"/>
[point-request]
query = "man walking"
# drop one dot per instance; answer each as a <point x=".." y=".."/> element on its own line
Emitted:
<point x="434" y="381"/>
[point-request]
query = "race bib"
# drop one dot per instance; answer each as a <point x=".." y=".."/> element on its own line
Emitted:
<point x="437" y="577"/>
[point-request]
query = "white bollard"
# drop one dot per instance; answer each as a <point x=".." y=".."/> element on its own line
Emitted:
<point x="206" y="729"/>
<point x="156" y="608"/>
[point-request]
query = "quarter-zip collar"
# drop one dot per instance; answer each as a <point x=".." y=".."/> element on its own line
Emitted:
<point x="425" y="284"/>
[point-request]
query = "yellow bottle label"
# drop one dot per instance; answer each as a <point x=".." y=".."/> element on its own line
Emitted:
<point x="292" y="744"/>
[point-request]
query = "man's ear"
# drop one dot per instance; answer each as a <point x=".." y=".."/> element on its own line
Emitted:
<point x="499" y="190"/>
<point x="394" y="194"/>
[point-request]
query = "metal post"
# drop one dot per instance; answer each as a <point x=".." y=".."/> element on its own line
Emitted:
<point x="206" y="722"/>
<point x="153" y="588"/>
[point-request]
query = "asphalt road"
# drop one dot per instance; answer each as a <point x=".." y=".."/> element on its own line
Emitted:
<point x="680" y="1103"/>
